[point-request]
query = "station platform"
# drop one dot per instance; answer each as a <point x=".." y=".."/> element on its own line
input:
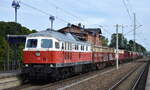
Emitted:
<point x="5" y="74"/>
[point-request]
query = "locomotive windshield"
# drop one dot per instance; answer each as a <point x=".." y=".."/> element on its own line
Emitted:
<point x="32" y="43"/>
<point x="46" y="43"/>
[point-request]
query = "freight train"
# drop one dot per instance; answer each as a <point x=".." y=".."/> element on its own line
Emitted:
<point x="52" y="54"/>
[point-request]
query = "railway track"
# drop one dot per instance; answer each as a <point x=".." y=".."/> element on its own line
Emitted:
<point x="131" y="80"/>
<point x="72" y="81"/>
<point x="81" y="77"/>
<point x="141" y="81"/>
<point x="9" y="82"/>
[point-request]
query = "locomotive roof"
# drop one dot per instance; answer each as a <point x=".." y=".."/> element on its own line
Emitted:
<point x="58" y="35"/>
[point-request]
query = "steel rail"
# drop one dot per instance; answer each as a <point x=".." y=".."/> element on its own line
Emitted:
<point x="140" y="76"/>
<point x="125" y="77"/>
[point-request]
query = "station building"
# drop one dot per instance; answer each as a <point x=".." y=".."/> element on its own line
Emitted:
<point x="91" y="35"/>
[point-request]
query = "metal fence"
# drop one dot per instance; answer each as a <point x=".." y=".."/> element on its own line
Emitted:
<point x="11" y="65"/>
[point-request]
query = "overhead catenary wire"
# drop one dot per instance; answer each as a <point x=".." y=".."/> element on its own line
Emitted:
<point x="141" y="36"/>
<point x="65" y="11"/>
<point x="41" y="11"/>
<point x="143" y="40"/>
<point x="127" y="9"/>
<point x="46" y="13"/>
<point x="130" y="6"/>
<point x="120" y="26"/>
<point x="105" y="29"/>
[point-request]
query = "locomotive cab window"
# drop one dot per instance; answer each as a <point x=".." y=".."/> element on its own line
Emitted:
<point x="62" y="46"/>
<point x="86" y="48"/>
<point x="57" y="45"/>
<point x="46" y="43"/>
<point x="32" y="43"/>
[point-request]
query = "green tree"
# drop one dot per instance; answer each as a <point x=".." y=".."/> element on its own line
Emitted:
<point x="122" y="41"/>
<point x="13" y="29"/>
<point x="3" y="48"/>
<point x="130" y="45"/>
<point x="138" y="47"/>
<point x="104" y="41"/>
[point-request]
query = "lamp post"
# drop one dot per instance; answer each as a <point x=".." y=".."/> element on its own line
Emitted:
<point x="51" y="18"/>
<point x="15" y="4"/>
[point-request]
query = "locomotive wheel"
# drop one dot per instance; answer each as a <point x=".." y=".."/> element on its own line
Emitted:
<point x="58" y="75"/>
<point x="64" y="73"/>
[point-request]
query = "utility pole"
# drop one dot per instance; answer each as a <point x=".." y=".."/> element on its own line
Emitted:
<point x="8" y="53"/>
<point x="15" y="4"/>
<point x="122" y="29"/>
<point x="134" y="33"/>
<point x="117" y="46"/>
<point x="122" y="42"/>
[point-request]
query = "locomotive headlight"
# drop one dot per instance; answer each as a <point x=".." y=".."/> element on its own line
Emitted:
<point x="37" y="53"/>
<point x="51" y="65"/>
<point x="26" y="65"/>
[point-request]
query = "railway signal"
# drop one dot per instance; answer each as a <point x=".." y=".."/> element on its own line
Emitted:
<point x="15" y="4"/>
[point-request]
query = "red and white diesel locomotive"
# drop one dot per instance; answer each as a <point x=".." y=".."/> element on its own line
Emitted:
<point x="57" y="55"/>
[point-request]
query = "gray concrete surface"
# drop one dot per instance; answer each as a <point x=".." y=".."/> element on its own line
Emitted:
<point x="148" y="81"/>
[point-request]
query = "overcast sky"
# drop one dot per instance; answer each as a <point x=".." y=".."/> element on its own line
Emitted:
<point x="91" y="13"/>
